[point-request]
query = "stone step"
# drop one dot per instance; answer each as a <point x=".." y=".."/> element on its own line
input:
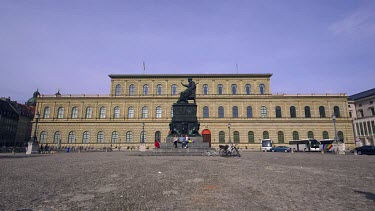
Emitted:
<point x="179" y="151"/>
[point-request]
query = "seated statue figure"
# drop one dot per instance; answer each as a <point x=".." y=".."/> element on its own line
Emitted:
<point x="189" y="93"/>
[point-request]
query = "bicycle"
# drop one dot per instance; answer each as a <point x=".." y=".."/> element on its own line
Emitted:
<point x="229" y="150"/>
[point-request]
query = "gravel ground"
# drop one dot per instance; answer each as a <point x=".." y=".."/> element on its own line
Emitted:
<point x="127" y="181"/>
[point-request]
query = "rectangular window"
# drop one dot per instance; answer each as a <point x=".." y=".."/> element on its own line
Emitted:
<point x="372" y="111"/>
<point x="369" y="128"/>
<point x="364" y="125"/>
<point x="358" y="131"/>
<point x="361" y="127"/>
<point x="350" y="114"/>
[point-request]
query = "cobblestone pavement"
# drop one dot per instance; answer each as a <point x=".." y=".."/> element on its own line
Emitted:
<point x="127" y="181"/>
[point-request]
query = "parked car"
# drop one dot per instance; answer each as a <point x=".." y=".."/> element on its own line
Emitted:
<point x="369" y="150"/>
<point x="280" y="149"/>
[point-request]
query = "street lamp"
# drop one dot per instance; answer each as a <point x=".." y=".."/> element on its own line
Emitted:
<point x="33" y="145"/>
<point x="37" y="115"/>
<point x="143" y="133"/>
<point x="229" y="133"/>
<point x="334" y="125"/>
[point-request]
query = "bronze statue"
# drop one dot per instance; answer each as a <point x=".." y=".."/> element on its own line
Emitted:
<point x="189" y="93"/>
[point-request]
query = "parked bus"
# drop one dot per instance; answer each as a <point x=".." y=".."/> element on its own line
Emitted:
<point x="308" y="145"/>
<point x="266" y="145"/>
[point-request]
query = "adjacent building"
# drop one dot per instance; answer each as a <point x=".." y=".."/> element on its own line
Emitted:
<point x="236" y="107"/>
<point x="361" y="109"/>
<point x="15" y="123"/>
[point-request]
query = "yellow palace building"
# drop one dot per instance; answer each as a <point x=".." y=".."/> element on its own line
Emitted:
<point x="141" y="106"/>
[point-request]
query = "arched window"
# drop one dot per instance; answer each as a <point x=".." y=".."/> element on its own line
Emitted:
<point x="262" y="89"/>
<point x="206" y="113"/>
<point x="71" y="137"/>
<point x="60" y="113"/>
<point x="336" y="110"/>
<point x="143" y="137"/>
<point x="88" y="113"/>
<point x="116" y="112"/>
<point x="322" y="112"/>
<point x="144" y="112"/>
<point x="280" y="137"/>
<point x="174" y="89"/>
<point x="114" y="138"/>
<point x="74" y="113"/>
<point x="266" y="135"/>
<point x="158" y="112"/>
<point x="57" y="138"/>
<point x="250" y="137"/>
<point x="263" y="112"/>
<point x="310" y="135"/>
<point x="220" y="89"/>
<point x="295" y="135"/>
<point x="249" y="110"/>
<point x="236" y="137"/>
<point x="278" y="111"/>
<point x="118" y="90"/>
<point x="293" y="112"/>
<point x="205" y="89"/>
<point x="46" y="113"/>
<point x="130" y="112"/>
<point x="221" y="112"/>
<point x="131" y="90"/>
<point x="248" y="89"/>
<point x="325" y="135"/>
<point x="86" y="137"/>
<point x="102" y="112"/>
<point x="145" y="89"/>
<point x="340" y="136"/>
<point x="43" y="137"/>
<point x="100" y="137"/>
<point x="307" y="112"/>
<point x="221" y="137"/>
<point x="157" y="136"/>
<point x="235" y="112"/>
<point x="159" y="89"/>
<point x="234" y="89"/>
<point x="129" y="137"/>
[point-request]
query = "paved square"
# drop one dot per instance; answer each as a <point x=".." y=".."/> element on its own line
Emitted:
<point x="126" y="181"/>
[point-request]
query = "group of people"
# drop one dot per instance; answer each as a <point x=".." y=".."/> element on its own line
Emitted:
<point x="44" y="149"/>
<point x="184" y="141"/>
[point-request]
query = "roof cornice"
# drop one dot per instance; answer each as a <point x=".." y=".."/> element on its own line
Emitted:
<point x="264" y="75"/>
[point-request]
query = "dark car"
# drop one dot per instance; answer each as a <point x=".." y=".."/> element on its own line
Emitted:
<point x="368" y="150"/>
<point x="280" y="149"/>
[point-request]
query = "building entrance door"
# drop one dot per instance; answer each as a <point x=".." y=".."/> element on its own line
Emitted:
<point x="206" y="134"/>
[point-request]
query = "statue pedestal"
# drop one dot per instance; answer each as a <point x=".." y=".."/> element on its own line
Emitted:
<point x="184" y="121"/>
<point x="142" y="147"/>
<point x="32" y="148"/>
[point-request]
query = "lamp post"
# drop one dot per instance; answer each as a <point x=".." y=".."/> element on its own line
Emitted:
<point x="334" y="125"/>
<point x="33" y="145"/>
<point x="143" y="133"/>
<point x="37" y="115"/>
<point x="229" y="133"/>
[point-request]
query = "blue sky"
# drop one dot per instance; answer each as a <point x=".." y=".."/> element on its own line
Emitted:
<point x="73" y="45"/>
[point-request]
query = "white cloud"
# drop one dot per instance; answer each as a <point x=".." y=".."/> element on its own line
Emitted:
<point x="359" y="23"/>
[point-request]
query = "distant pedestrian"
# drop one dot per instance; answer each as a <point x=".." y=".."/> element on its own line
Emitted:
<point x="41" y="149"/>
<point x="157" y="144"/>
<point x="46" y="149"/>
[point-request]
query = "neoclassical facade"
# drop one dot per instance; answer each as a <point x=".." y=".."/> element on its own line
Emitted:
<point x="362" y="110"/>
<point x="140" y="106"/>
